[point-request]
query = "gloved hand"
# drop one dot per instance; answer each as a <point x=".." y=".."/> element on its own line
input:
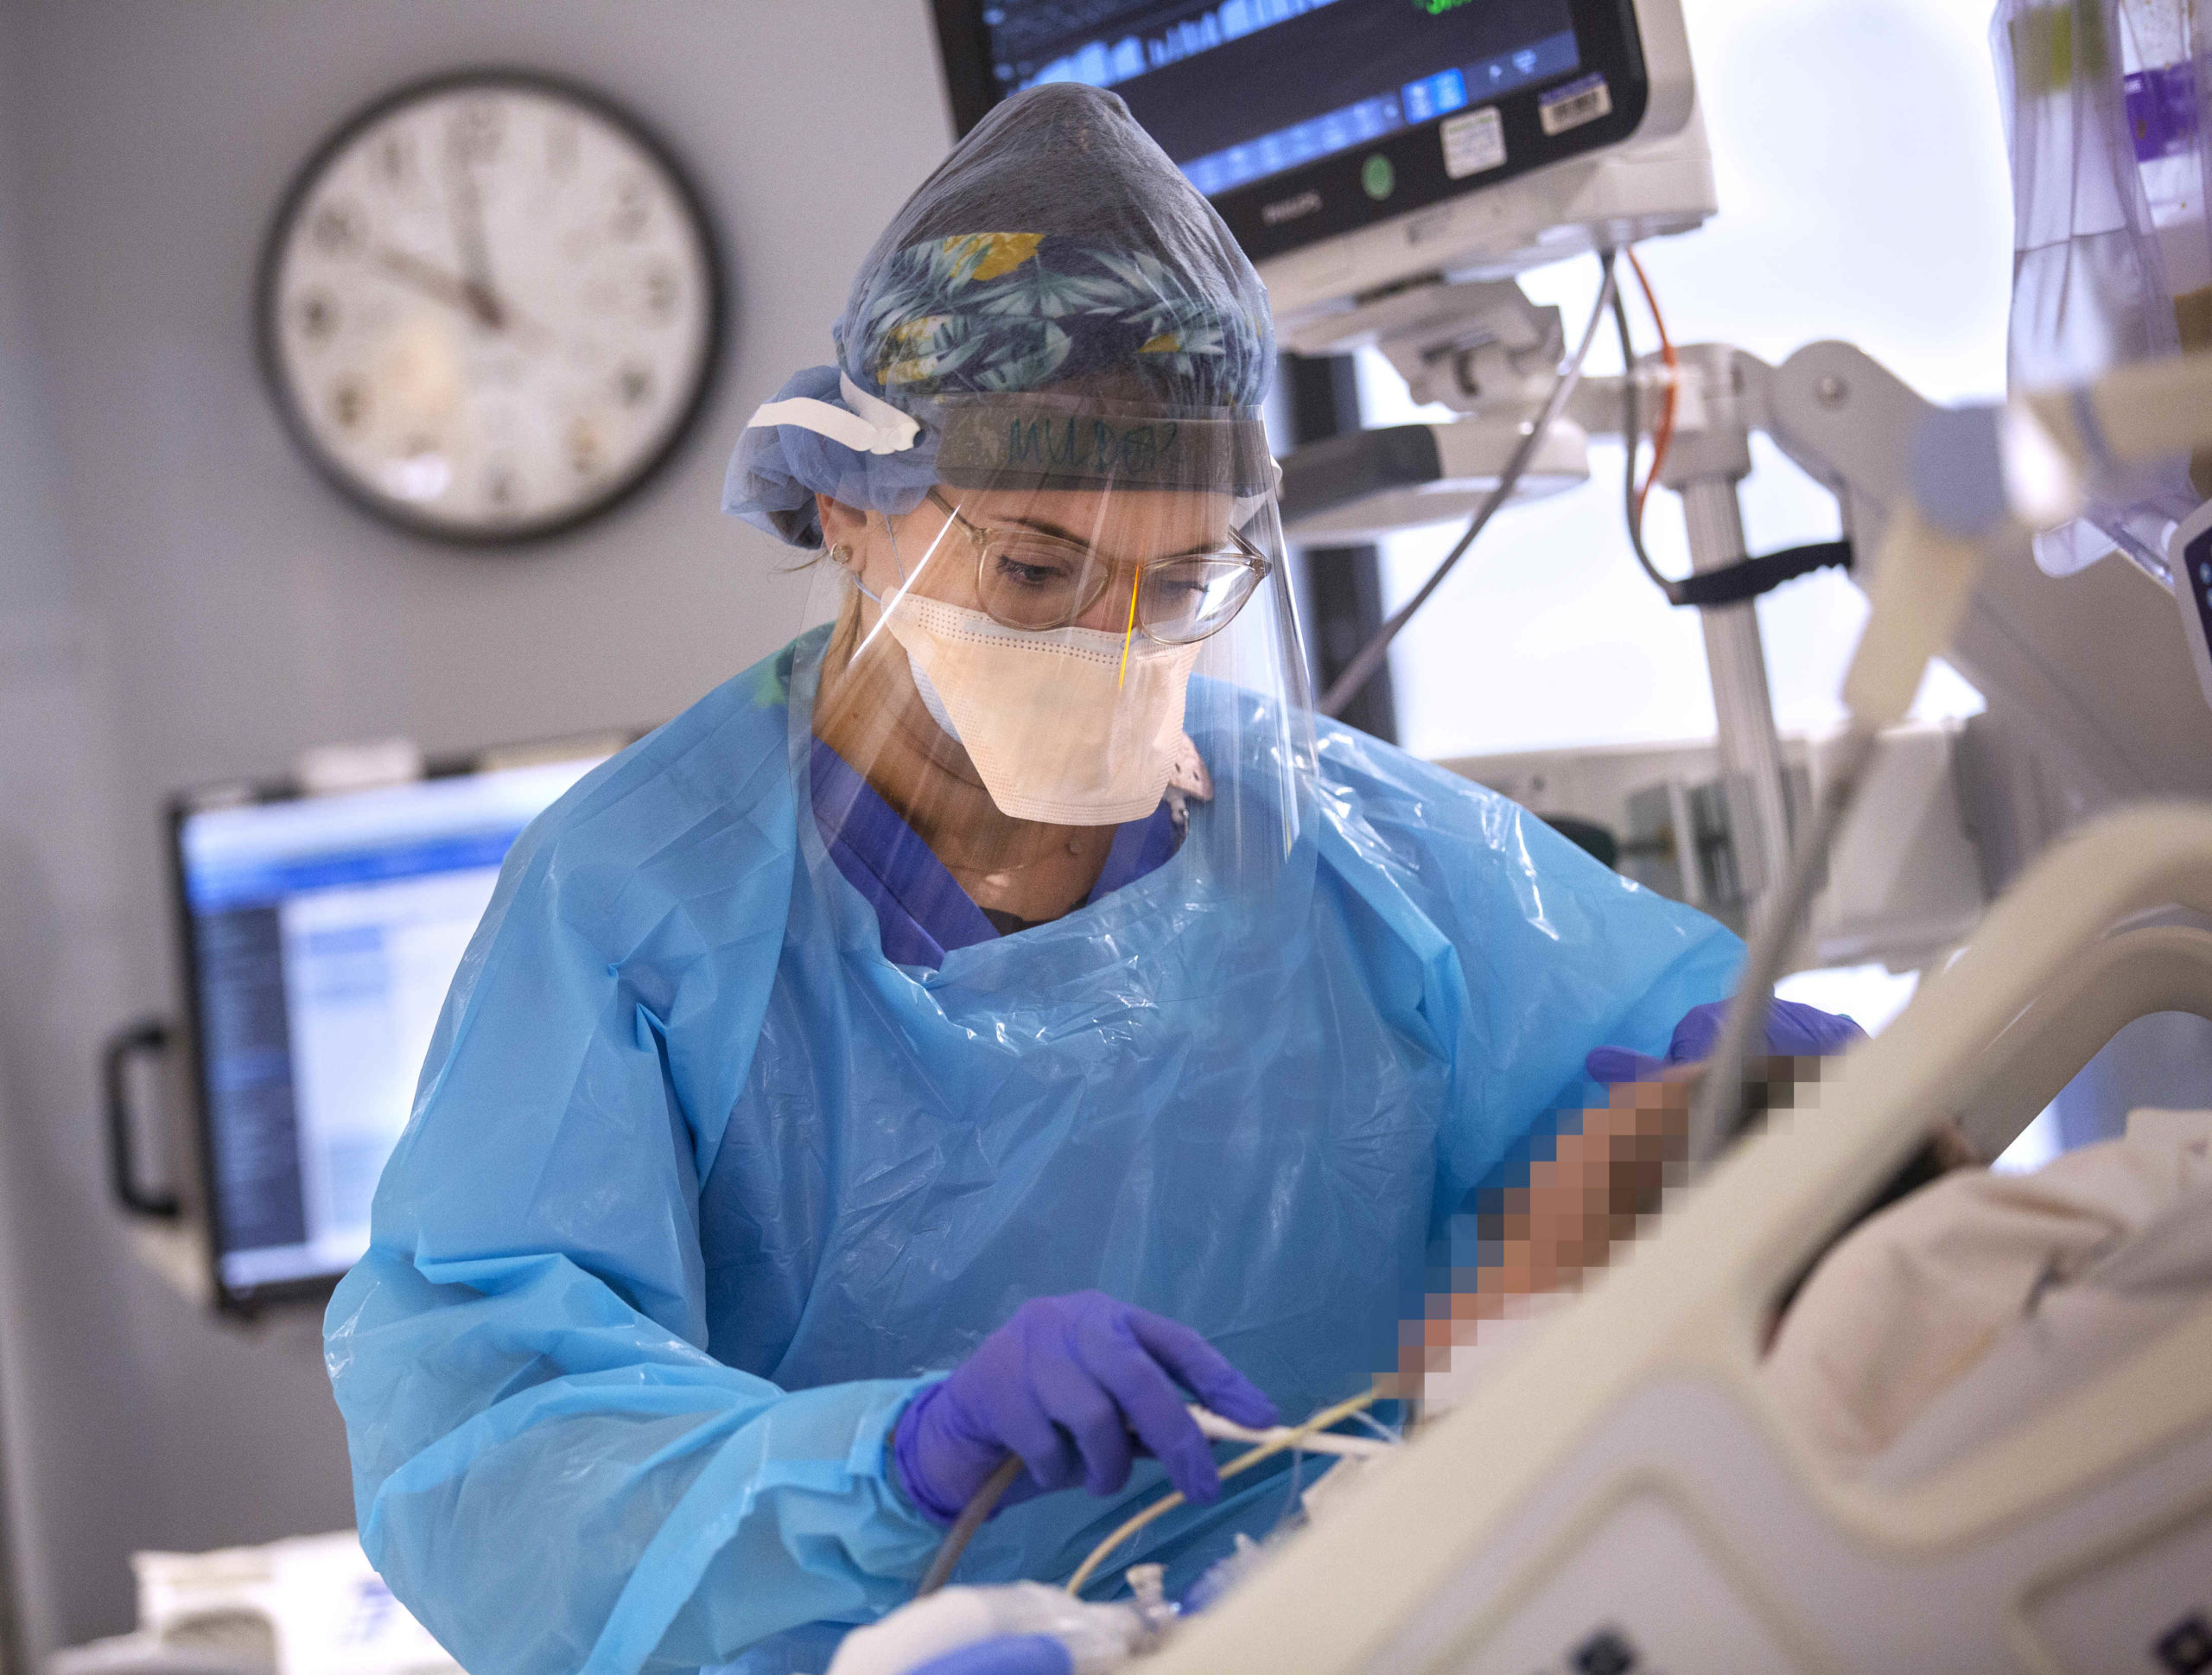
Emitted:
<point x="1010" y="1654"/>
<point x="1792" y="1029"/>
<point x="1063" y="1385"/>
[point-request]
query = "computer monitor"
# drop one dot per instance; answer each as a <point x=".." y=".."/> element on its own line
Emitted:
<point x="320" y="936"/>
<point x="1353" y="144"/>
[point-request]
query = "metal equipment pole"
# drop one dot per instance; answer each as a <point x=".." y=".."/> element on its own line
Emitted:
<point x="1751" y="749"/>
<point x="1709" y="458"/>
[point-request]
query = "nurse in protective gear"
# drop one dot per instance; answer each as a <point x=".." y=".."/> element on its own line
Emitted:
<point x="1008" y="980"/>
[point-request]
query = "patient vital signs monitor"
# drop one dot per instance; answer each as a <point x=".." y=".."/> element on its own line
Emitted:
<point x="321" y="934"/>
<point x="1341" y="138"/>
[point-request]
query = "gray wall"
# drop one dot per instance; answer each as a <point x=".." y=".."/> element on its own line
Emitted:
<point x="181" y="599"/>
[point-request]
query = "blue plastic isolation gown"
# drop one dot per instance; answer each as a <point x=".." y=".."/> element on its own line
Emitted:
<point x="698" y="1183"/>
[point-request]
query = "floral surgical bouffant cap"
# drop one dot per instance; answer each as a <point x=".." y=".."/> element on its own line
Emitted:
<point x="1056" y="246"/>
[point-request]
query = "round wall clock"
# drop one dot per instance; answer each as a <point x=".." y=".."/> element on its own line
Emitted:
<point x="489" y="306"/>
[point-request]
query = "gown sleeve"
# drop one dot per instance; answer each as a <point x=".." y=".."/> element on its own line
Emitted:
<point x="550" y="1470"/>
<point x="1531" y="953"/>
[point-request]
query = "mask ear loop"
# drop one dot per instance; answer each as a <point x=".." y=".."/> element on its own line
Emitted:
<point x="884" y="607"/>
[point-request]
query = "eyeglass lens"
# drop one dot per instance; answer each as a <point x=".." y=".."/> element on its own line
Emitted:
<point x="1038" y="582"/>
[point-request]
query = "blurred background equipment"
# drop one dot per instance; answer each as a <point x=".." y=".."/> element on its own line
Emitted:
<point x="322" y="921"/>
<point x="1353" y="148"/>
<point x="308" y="1605"/>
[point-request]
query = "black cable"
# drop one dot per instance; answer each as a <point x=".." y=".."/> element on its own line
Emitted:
<point x="1357" y="673"/>
<point x="1631" y="439"/>
<point x="1748" y="578"/>
<point x="1731" y="585"/>
<point x="981" y="1505"/>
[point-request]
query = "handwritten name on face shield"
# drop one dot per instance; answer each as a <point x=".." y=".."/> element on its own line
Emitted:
<point x="991" y="443"/>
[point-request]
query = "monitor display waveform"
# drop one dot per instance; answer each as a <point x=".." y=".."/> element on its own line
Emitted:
<point x="1103" y="63"/>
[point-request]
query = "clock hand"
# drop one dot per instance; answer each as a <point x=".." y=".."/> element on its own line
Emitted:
<point x="464" y="208"/>
<point x="433" y="280"/>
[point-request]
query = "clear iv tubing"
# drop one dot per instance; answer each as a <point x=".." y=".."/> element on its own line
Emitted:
<point x="1286" y="1441"/>
<point x="985" y="1501"/>
<point x="1347" y="685"/>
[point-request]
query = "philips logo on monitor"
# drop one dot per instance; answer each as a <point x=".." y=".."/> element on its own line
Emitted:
<point x="1290" y="208"/>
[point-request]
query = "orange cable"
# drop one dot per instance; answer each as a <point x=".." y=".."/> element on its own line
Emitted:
<point x="1664" y="433"/>
<point x="1136" y="578"/>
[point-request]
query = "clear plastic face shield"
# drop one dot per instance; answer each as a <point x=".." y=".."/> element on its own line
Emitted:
<point x="1073" y="665"/>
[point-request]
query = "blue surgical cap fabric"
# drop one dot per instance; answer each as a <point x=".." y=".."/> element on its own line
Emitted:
<point x="1057" y="247"/>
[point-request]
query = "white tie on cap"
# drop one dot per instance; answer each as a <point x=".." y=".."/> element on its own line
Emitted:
<point x="872" y="425"/>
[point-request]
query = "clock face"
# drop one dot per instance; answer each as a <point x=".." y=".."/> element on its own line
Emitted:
<point x="489" y="307"/>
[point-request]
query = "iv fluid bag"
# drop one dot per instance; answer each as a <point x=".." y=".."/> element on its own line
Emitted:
<point x="2106" y="118"/>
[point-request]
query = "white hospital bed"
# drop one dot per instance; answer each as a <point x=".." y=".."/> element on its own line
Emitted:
<point x="1621" y="1495"/>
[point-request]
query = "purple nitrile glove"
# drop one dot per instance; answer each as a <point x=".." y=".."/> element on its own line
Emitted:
<point x="1792" y="1029"/>
<point x="1009" y="1654"/>
<point x="1064" y="1384"/>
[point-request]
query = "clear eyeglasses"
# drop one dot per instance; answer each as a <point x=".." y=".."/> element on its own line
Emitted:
<point x="1027" y="579"/>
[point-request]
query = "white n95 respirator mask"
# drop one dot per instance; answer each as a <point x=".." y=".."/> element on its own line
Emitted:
<point x="1070" y="727"/>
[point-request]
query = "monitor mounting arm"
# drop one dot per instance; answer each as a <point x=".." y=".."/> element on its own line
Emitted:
<point x="1485" y="350"/>
<point x="1468" y="343"/>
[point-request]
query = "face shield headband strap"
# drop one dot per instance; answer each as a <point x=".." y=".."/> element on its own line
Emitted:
<point x="1045" y="443"/>
<point x="1048" y="444"/>
<point x="872" y="425"/>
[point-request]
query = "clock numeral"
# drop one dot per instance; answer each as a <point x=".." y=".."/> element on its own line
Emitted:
<point x="395" y="159"/>
<point x="633" y="207"/>
<point x="475" y="131"/>
<point x="349" y="403"/>
<point x="661" y="291"/>
<point x="338" y="229"/>
<point x="317" y="315"/>
<point x="634" y="385"/>
<point x="501" y="489"/>
<point x="583" y="446"/>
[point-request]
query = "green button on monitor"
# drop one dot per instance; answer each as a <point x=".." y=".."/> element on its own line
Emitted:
<point x="1376" y="176"/>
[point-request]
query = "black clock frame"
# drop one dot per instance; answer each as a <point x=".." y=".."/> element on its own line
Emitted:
<point x="266" y="304"/>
